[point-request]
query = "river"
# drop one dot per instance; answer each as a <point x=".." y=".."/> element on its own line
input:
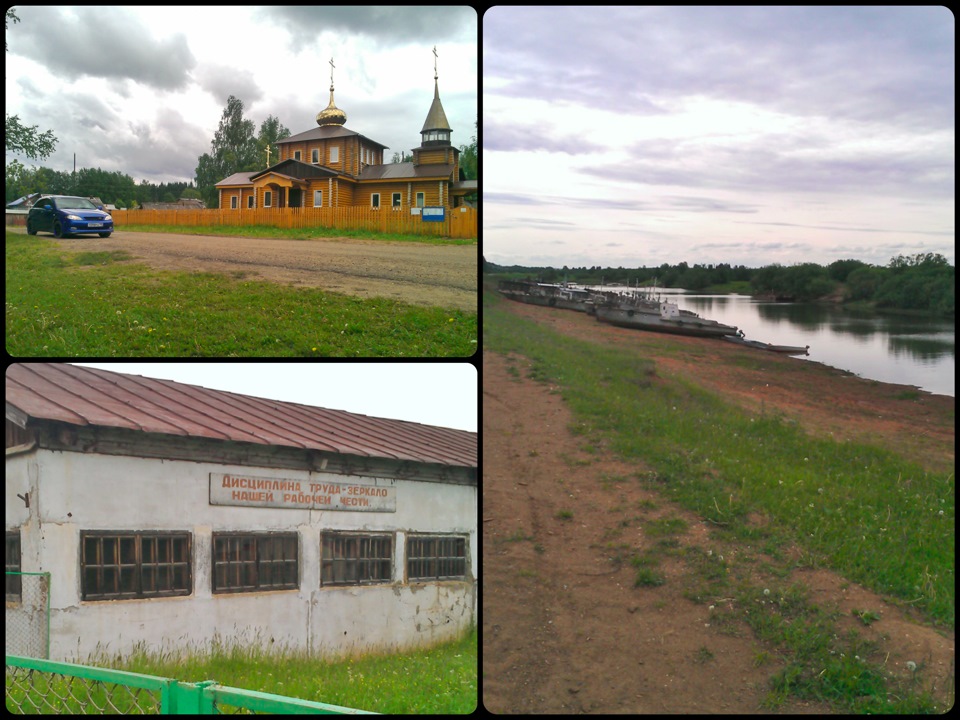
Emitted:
<point x="917" y="351"/>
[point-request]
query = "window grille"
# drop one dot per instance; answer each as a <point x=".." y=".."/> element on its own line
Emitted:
<point x="115" y="566"/>
<point x="356" y="559"/>
<point x="436" y="557"/>
<point x="250" y="562"/>
<point x="14" y="585"/>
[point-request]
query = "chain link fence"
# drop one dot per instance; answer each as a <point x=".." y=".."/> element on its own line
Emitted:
<point x="28" y="614"/>
<point x="31" y="692"/>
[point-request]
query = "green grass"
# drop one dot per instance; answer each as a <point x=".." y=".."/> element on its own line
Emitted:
<point x="441" y="679"/>
<point x="438" y="680"/>
<point x="267" y="231"/>
<point x="64" y="305"/>
<point x="859" y="509"/>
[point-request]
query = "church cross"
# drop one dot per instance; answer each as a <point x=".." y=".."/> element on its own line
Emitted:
<point x="268" y="156"/>
<point x="434" y="62"/>
<point x="332" y="66"/>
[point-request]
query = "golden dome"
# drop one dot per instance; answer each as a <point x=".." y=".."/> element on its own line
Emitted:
<point x="331" y="115"/>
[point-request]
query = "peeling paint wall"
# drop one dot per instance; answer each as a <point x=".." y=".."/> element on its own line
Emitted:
<point x="87" y="491"/>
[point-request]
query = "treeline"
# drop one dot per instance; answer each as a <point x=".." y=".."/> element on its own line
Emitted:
<point x="682" y="275"/>
<point x="923" y="282"/>
<point x="111" y="187"/>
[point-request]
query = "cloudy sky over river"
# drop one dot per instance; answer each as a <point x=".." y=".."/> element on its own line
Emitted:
<point x="638" y="135"/>
<point x="142" y="89"/>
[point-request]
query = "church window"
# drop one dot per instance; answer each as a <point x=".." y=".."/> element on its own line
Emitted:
<point x="296" y="154"/>
<point x="420" y="200"/>
<point x="375" y="201"/>
<point x="334" y="154"/>
<point x="233" y="202"/>
<point x="250" y="202"/>
<point x="318" y="198"/>
<point x="396" y="201"/>
<point x="267" y="198"/>
<point x="315" y="156"/>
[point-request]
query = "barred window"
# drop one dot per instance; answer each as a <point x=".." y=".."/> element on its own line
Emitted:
<point x="431" y="557"/>
<point x="249" y="562"/>
<point x="127" y="565"/>
<point x="13" y="566"/>
<point x="356" y="559"/>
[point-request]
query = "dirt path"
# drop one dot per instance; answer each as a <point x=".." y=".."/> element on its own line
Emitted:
<point x="564" y="628"/>
<point x="415" y="273"/>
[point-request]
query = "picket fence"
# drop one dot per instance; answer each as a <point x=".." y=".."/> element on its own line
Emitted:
<point x="459" y="222"/>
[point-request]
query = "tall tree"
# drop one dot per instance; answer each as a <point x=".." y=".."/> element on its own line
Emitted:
<point x="271" y="130"/>
<point x="468" y="157"/>
<point x="234" y="149"/>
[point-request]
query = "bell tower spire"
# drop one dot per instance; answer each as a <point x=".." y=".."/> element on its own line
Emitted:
<point x="436" y="130"/>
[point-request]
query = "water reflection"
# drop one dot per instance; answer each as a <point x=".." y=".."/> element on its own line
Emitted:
<point x="891" y="348"/>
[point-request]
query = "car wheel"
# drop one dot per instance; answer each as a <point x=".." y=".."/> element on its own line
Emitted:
<point x="105" y="234"/>
<point x="31" y="230"/>
<point x="57" y="230"/>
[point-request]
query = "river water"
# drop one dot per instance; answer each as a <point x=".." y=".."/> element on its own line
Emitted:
<point x="890" y="348"/>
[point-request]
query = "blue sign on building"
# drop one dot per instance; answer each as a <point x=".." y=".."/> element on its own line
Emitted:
<point x="432" y="214"/>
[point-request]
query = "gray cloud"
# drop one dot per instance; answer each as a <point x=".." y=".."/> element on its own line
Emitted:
<point x="509" y="136"/>
<point x="860" y="62"/>
<point x="389" y="24"/>
<point x="222" y="81"/>
<point x="87" y="42"/>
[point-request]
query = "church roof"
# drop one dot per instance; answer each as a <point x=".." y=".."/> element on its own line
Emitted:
<point x="296" y="169"/>
<point x="326" y="132"/>
<point x="436" y="118"/>
<point x="91" y="397"/>
<point x="397" y="171"/>
<point x="240" y="178"/>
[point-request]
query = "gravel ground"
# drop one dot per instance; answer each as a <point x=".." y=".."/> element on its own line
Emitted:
<point x="419" y="274"/>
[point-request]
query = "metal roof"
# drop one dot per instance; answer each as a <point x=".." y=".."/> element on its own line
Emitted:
<point x="326" y="132"/>
<point x="92" y="397"/>
<point x="404" y="171"/>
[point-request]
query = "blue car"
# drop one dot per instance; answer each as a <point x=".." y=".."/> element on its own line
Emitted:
<point x="66" y="215"/>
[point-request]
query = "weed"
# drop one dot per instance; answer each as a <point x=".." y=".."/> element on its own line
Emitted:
<point x="867" y="617"/>
<point x="703" y="655"/>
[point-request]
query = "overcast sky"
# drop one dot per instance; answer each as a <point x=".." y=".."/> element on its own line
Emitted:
<point x="142" y="89"/>
<point x="642" y="135"/>
<point x="442" y="394"/>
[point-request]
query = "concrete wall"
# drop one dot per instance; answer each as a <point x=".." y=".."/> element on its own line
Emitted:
<point x="85" y="491"/>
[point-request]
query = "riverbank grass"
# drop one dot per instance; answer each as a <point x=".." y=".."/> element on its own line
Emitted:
<point x="858" y="509"/>
<point x="61" y="304"/>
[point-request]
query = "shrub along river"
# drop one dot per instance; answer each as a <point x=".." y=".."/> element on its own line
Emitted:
<point x="891" y="348"/>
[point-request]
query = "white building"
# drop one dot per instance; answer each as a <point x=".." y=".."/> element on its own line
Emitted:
<point x="170" y="514"/>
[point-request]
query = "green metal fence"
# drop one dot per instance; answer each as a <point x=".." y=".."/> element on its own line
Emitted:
<point x="43" y="686"/>
<point x="27" y="614"/>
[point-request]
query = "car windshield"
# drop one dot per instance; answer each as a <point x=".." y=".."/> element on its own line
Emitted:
<point x="74" y="203"/>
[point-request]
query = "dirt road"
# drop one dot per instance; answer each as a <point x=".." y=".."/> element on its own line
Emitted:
<point x="415" y="273"/>
<point x="564" y="628"/>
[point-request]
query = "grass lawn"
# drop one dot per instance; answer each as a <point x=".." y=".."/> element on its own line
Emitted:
<point x="438" y="680"/>
<point x="88" y="305"/>
<point x="267" y="231"/>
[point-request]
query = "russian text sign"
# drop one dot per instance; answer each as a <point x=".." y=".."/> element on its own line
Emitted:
<point x="432" y="214"/>
<point x="313" y="494"/>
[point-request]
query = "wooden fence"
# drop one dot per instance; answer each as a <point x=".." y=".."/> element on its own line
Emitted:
<point x="459" y="222"/>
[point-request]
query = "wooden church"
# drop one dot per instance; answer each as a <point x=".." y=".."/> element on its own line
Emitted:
<point x="333" y="166"/>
